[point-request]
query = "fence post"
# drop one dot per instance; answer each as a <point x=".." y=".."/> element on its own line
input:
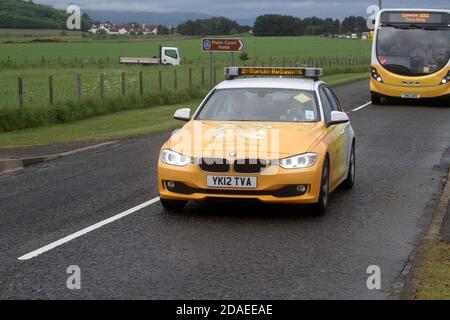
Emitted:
<point x="141" y="83"/>
<point x="175" y="81"/>
<point x="21" y="97"/>
<point x="160" y="81"/>
<point x="102" y="85"/>
<point x="50" y="89"/>
<point x="203" y="76"/>
<point x="124" y="84"/>
<point x="78" y="86"/>
<point x="190" y="78"/>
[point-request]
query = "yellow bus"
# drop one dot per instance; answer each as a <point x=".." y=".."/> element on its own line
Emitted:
<point x="411" y="54"/>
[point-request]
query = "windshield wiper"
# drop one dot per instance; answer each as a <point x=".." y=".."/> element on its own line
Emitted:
<point x="402" y="26"/>
<point x="415" y="26"/>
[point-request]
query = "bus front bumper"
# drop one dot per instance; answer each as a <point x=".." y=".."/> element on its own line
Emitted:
<point x="387" y="90"/>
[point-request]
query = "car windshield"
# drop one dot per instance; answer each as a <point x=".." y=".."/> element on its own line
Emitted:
<point x="413" y="50"/>
<point x="260" y="104"/>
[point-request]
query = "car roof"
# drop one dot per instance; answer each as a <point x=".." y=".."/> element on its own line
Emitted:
<point x="276" y="83"/>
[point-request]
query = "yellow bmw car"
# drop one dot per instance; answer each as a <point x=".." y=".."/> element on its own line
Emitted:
<point x="275" y="135"/>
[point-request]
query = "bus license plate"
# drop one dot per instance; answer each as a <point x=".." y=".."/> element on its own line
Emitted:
<point x="232" y="182"/>
<point x="411" y="96"/>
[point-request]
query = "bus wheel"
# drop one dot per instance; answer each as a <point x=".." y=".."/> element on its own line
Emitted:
<point x="376" y="99"/>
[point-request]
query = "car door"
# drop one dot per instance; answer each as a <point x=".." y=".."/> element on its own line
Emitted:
<point x="331" y="137"/>
<point x="343" y="144"/>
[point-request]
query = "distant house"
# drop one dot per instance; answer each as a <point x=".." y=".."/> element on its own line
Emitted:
<point x="149" y="29"/>
<point x="124" y="29"/>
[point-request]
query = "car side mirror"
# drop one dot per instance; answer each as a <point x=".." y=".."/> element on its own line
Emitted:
<point x="183" y="114"/>
<point x="338" y="117"/>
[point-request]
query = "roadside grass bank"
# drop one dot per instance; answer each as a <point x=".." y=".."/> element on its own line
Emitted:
<point x="16" y="119"/>
<point x="126" y="124"/>
<point x="434" y="283"/>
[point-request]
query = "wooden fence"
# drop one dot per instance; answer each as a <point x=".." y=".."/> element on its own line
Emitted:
<point x="173" y="78"/>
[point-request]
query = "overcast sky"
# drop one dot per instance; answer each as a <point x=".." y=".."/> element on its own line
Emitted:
<point x="250" y="8"/>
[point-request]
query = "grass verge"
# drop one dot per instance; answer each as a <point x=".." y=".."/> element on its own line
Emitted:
<point x="119" y="125"/>
<point x="434" y="283"/>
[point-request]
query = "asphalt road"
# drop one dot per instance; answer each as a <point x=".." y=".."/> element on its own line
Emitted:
<point x="225" y="251"/>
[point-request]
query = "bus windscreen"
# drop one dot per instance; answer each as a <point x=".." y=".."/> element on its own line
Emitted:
<point x="414" y="48"/>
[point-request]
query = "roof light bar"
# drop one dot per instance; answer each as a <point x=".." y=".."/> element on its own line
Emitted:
<point x="233" y="72"/>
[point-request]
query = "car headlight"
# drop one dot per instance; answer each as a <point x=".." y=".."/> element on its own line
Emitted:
<point x="174" y="158"/>
<point x="299" y="162"/>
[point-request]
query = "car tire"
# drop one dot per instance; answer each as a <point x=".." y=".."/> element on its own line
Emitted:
<point x="173" y="205"/>
<point x="320" y="207"/>
<point x="349" y="183"/>
<point x="376" y="99"/>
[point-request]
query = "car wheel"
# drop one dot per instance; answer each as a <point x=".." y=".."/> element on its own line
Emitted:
<point x="350" y="181"/>
<point x="173" y="205"/>
<point x="321" y="206"/>
<point x="376" y="99"/>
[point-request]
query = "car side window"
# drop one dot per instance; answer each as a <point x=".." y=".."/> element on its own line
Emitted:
<point x="337" y="101"/>
<point x="326" y="104"/>
<point x="335" y="106"/>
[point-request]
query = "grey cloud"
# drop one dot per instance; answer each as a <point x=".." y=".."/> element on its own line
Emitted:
<point x="250" y="8"/>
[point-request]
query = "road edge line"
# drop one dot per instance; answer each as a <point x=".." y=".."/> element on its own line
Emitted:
<point x="87" y="230"/>
<point x="416" y="262"/>
<point x="362" y="107"/>
<point x="13" y="165"/>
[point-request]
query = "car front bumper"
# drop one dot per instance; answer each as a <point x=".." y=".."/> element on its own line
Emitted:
<point x="276" y="185"/>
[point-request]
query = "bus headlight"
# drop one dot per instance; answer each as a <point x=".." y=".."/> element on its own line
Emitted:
<point x="376" y="76"/>
<point x="446" y="79"/>
<point x="175" y="159"/>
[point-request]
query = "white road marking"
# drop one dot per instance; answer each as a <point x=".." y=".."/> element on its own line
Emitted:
<point x="80" y="233"/>
<point x="363" y="106"/>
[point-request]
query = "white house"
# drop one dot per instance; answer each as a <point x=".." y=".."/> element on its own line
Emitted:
<point x="124" y="29"/>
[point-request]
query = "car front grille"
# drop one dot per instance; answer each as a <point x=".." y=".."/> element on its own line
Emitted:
<point x="243" y="166"/>
<point x="215" y="165"/>
<point x="250" y="166"/>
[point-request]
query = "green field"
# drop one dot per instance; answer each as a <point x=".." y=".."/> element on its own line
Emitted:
<point x="35" y="62"/>
<point x="261" y="48"/>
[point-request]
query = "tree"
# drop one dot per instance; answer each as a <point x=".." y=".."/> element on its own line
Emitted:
<point x="354" y="24"/>
<point x="278" y="25"/>
<point x="213" y="26"/>
<point x="163" y="30"/>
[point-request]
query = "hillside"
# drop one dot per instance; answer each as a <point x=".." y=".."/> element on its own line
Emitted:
<point x="164" y="18"/>
<point x="28" y="15"/>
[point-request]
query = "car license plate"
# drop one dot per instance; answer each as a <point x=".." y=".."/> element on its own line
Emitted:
<point x="411" y="96"/>
<point x="232" y="182"/>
